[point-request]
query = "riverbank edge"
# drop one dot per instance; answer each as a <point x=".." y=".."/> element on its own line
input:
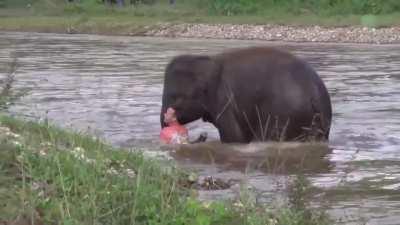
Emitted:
<point x="51" y="175"/>
<point x="281" y="33"/>
<point x="267" y="32"/>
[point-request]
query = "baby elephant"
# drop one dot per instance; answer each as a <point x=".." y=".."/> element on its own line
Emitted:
<point x="250" y="94"/>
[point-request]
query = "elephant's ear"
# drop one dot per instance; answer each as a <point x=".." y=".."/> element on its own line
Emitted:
<point x="207" y="72"/>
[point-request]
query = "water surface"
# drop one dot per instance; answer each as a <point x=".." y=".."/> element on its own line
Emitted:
<point x="112" y="87"/>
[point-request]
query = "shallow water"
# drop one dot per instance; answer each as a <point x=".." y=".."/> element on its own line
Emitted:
<point x="112" y="87"/>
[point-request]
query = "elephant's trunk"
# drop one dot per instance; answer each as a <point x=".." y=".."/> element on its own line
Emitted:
<point x="163" y="124"/>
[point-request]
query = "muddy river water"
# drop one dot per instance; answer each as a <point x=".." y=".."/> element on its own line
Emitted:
<point x="111" y="86"/>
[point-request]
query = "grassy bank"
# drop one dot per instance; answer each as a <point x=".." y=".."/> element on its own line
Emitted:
<point x="90" y="16"/>
<point x="51" y="176"/>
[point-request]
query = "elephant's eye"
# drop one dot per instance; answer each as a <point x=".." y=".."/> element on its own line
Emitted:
<point x="173" y="97"/>
<point x="176" y="97"/>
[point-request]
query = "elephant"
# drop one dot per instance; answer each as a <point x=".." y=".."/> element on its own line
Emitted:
<point x="251" y="94"/>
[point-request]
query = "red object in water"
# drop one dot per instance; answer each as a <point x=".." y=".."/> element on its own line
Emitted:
<point x="174" y="133"/>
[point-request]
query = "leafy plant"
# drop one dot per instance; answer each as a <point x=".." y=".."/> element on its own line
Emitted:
<point x="7" y="95"/>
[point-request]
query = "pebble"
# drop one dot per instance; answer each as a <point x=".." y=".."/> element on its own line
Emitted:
<point x="385" y="35"/>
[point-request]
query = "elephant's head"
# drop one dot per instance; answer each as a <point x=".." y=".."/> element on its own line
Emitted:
<point x="189" y="81"/>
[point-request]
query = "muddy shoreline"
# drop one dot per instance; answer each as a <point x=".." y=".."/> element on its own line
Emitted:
<point x="268" y="32"/>
<point x="365" y="35"/>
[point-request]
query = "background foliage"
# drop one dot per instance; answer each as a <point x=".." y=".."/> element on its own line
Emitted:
<point x="238" y="7"/>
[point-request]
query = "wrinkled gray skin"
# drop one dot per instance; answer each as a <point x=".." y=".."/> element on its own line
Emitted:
<point x="251" y="94"/>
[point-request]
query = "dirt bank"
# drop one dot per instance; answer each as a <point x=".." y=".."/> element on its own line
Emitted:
<point x="280" y="33"/>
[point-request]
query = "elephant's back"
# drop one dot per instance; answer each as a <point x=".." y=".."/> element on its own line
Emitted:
<point x="268" y="71"/>
<point x="261" y="65"/>
<point x="255" y="55"/>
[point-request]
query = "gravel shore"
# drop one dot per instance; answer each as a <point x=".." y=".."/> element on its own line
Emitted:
<point x="389" y="35"/>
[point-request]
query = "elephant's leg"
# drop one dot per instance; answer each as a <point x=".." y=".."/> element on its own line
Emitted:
<point x="230" y="130"/>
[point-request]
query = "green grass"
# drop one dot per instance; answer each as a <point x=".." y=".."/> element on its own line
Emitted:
<point x="78" y="24"/>
<point x="54" y="176"/>
<point x="91" y="17"/>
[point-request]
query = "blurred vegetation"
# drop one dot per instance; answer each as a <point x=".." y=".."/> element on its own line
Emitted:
<point x="8" y="94"/>
<point x="107" y="16"/>
<point x="318" y="7"/>
<point x="227" y="7"/>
